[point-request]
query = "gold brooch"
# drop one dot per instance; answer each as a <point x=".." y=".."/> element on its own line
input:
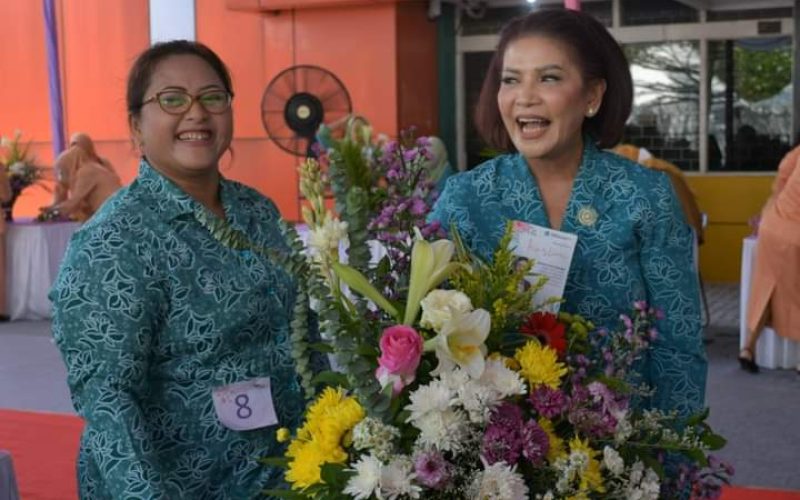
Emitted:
<point x="587" y="216"/>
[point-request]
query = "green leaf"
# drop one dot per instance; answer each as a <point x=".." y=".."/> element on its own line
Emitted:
<point x="698" y="417"/>
<point x="359" y="283"/>
<point x="331" y="378"/>
<point x="292" y="495"/>
<point x="334" y="475"/>
<point x="422" y="268"/>
<point x="282" y="462"/>
<point x="321" y="347"/>
<point x="713" y="441"/>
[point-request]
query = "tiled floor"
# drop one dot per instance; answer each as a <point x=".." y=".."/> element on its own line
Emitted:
<point x="723" y="304"/>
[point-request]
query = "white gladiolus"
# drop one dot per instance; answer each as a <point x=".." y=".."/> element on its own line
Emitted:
<point x="327" y="237"/>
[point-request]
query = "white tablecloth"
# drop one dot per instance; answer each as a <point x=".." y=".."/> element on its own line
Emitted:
<point x="33" y="254"/>
<point x="772" y="350"/>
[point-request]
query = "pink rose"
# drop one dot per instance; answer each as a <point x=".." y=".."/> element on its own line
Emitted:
<point x="401" y="350"/>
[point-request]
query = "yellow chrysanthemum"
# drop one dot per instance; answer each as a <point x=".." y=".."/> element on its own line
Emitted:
<point x="556" y="449"/>
<point x="329" y="422"/>
<point x="304" y="469"/>
<point x="591" y="479"/>
<point x="539" y="365"/>
<point x="283" y="435"/>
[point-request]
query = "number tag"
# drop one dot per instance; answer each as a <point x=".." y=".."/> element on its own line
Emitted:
<point x="244" y="406"/>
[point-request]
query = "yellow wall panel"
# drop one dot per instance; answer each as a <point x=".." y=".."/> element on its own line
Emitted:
<point x="729" y="202"/>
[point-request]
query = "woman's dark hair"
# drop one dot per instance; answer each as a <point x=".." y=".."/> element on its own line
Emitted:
<point x="142" y="71"/>
<point x="598" y="56"/>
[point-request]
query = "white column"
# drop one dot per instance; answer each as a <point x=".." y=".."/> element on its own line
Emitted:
<point x="171" y="20"/>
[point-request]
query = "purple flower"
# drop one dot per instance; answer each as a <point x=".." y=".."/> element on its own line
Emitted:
<point x="548" y="402"/>
<point x="418" y="207"/>
<point x="508" y="415"/>
<point x="432" y="469"/>
<point x="501" y="444"/>
<point x="535" y="443"/>
<point x="593" y="422"/>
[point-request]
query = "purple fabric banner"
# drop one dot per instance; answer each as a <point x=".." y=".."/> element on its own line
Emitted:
<point x="54" y="76"/>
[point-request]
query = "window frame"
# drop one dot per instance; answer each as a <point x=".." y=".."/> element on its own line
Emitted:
<point x="702" y="32"/>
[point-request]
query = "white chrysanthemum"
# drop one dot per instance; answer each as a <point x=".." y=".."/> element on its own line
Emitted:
<point x="454" y="379"/>
<point x="434" y="397"/>
<point x="367" y="478"/>
<point x="479" y="401"/>
<point x="397" y="479"/>
<point x="499" y="482"/>
<point x="613" y="461"/>
<point x="444" y="431"/>
<point x="502" y="379"/>
<point x="439" y="305"/>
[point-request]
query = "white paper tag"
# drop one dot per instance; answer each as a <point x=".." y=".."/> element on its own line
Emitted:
<point x="244" y="406"/>
<point x="552" y="252"/>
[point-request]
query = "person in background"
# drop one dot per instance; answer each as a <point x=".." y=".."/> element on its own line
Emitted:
<point x="558" y="91"/>
<point x="775" y="287"/>
<point x="5" y="195"/>
<point x="84" y="180"/>
<point x="169" y="334"/>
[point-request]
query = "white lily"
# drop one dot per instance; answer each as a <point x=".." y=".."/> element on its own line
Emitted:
<point x="430" y="265"/>
<point x="461" y="342"/>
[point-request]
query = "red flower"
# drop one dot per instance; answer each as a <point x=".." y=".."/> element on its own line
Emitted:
<point x="546" y="327"/>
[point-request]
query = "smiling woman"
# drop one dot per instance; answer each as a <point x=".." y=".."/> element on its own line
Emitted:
<point x="176" y="343"/>
<point x="559" y="90"/>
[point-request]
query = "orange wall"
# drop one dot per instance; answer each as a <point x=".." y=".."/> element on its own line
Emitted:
<point x="367" y="46"/>
<point x="383" y="52"/>
<point x="98" y="41"/>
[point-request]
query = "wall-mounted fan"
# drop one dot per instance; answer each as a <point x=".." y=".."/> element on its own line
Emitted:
<point x="297" y="101"/>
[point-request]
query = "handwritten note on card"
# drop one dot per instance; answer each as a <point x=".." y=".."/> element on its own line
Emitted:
<point x="551" y="252"/>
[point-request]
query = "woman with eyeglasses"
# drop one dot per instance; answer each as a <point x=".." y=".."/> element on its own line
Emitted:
<point x="176" y="345"/>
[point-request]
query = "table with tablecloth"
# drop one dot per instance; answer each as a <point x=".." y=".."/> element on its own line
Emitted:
<point x="772" y="350"/>
<point x="33" y="254"/>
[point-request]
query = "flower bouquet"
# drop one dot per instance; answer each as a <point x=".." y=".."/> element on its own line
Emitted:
<point x="19" y="168"/>
<point x="451" y="383"/>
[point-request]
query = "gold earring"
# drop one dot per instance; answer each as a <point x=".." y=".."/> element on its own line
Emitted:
<point x="590" y="113"/>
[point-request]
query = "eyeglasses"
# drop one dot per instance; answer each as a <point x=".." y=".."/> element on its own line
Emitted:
<point x="178" y="102"/>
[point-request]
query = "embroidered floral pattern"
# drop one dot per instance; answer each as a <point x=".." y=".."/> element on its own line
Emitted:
<point x="637" y="247"/>
<point x="151" y="312"/>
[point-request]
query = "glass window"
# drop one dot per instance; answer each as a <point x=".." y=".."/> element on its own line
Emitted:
<point x="734" y="15"/>
<point x="665" y="116"/>
<point x="750" y="116"/>
<point x="638" y="12"/>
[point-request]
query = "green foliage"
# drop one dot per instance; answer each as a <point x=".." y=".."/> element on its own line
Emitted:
<point x="761" y="74"/>
<point x="496" y="286"/>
